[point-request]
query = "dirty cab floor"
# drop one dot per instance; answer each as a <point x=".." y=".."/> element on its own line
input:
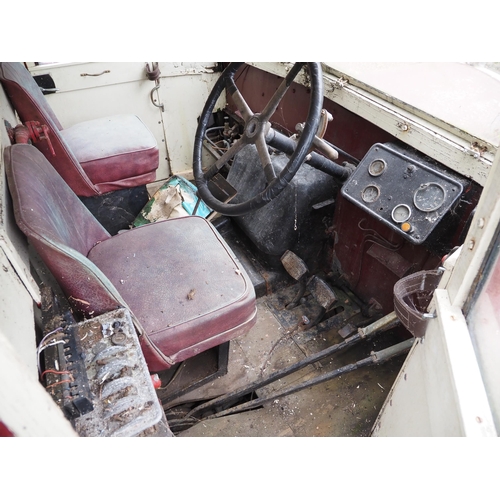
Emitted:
<point x="345" y="406"/>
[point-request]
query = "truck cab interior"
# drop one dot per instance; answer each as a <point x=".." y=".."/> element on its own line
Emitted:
<point x="292" y="257"/>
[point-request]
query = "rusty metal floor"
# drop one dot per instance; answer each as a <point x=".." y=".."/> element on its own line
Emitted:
<point x="345" y="406"/>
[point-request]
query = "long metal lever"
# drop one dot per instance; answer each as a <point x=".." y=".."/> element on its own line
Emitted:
<point x="318" y="141"/>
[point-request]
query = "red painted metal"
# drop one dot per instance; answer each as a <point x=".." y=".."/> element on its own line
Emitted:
<point x="357" y="237"/>
<point x="5" y="431"/>
<point x="39" y="132"/>
<point x="347" y="130"/>
<point x="21" y="134"/>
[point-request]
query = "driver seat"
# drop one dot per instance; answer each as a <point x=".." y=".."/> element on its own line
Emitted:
<point x="93" y="157"/>
<point x="181" y="282"/>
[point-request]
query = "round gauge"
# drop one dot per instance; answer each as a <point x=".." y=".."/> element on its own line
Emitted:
<point x="377" y="167"/>
<point x="429" y="196"/>
<point x="370" y="193"/>
<point x="401" y="213"/>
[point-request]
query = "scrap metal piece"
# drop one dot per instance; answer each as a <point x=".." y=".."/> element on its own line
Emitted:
<point x="125" y="401"/>
<point x="347" y="330"/>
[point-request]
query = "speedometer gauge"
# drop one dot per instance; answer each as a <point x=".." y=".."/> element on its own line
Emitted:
<point x="429" y="196"/>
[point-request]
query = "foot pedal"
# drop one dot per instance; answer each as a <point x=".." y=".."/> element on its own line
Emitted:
<point x="324" y="296"/>
<point x="323" y="293"/>
<point x="294" y="265"/>
<point x="298" y="270"/>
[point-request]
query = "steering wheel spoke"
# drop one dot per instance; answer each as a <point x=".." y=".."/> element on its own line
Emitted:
<point x="238" y="99"/>
<point x="265" y="159"/>
<point x="273" y="104"/>
<point x="228" y="155"/>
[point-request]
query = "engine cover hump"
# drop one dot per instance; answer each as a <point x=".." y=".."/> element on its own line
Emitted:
<point x="293" y="220"/>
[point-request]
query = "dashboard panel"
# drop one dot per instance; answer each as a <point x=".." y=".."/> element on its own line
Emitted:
<point x="404" y="193"/>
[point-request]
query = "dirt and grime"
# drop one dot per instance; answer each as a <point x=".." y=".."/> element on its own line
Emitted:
<point x="346" y="406"/>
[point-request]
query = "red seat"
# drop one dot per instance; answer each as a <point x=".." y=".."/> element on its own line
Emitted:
<point x="180" y="280"/>
<point x="93" y="157"/>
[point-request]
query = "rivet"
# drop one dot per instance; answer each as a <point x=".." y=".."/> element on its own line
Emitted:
<point x="119" y="338"/>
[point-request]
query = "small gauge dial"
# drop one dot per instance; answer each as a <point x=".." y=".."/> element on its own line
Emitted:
<point x="429" y="197"/>
<point x="377" y="167"/>
<point x="370" y="193"/>
<point x="401" y="213"/>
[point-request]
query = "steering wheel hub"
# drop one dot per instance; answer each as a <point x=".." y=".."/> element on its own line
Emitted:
<point x="256" y="126"/>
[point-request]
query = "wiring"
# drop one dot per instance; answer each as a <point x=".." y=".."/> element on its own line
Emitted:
<point x="45" y="342"/>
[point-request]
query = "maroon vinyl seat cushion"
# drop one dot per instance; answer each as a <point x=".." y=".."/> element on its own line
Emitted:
<point x="114" y="151"/>
<point x="180" y="280"/>
<point x="93" y="157"/>
<point x="183" y="283"/>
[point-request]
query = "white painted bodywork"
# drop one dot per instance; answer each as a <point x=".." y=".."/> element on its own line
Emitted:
<point x="88" y="90"/>
<point x="18" y="291"/>
<point x="425" y="128"/>
<point x="441" y="389"/>
<point x="19" y="298"/>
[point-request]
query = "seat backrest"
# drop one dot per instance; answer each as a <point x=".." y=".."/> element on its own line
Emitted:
<point x="59" y="227"/>
<point x="31" y="105"/>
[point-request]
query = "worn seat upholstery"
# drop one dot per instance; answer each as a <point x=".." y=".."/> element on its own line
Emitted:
<point x="93" y="157"/>
<point x="180" y="280"/>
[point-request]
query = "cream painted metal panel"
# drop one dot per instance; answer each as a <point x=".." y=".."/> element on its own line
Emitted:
<point x="17" y="323"/>
<point x="27" y="409"/>
<point x="406" y="400"/>
<point x="429" y="135"/>
<point x="124" y="88"/>
<point x="457" y="97"/>
<point x="477" y="243"/>
<point x="184" y="89"/>
<point x="91" y="90"/>
<point x="18" y="290"/>
<point x="439" y="391"/>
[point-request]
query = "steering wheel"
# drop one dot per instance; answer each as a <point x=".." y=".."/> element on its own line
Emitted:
<point x="256" y="130"/>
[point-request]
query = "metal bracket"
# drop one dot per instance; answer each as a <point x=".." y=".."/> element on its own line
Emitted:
<point x="153" y="74"/>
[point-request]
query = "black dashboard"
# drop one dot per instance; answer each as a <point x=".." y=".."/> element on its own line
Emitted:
<point x="407" y="194"/>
